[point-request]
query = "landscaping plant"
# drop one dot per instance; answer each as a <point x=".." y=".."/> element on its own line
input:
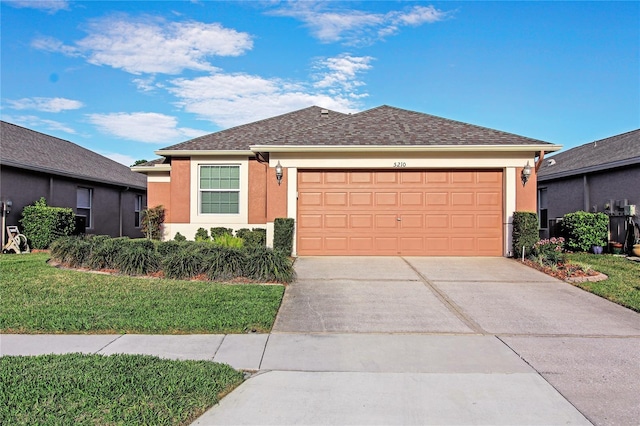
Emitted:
<point x="525" y="233"/>
<point x="549" y="252"/>
<point x="583" y="230"/>
<point x="227" y="240"/>
<point x="152" y="220"/>
<point x="283" y="235"/>
<point x="202" y="235"/>
<point x="227" y="263"/>
<point x="219" y="231"/>
<point x="183" y="264"/>
<point x="42" y="224"/>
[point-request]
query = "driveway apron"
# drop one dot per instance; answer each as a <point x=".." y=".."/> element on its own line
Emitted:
<point x="417" y="340"/>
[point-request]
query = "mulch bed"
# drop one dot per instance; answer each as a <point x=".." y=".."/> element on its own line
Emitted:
<point x="567" y="272"/>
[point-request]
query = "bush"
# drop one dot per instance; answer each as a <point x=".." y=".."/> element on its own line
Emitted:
<point x="549" y="251"/>
<point x="104" y="253"/>
<point x="226" y="263"/>
<point x="583" y="230"/>
<point x="283" y="235"/>
<point x="253" y="238"/>
<point x="202" y="235"/>
<point x="183" y="264"/>
<point x="167" y="248"/>
<point x="219" y="231"/>
<point x="61" y="248"/>
<point x="152" y="220"/>
<point x="179" y="237"/>
<point x="42" y="224"/>
<point x="525" y="233"/>
<point x="226" y="240"/>
<point x="264" y="264"/>
<point x="137" y="259"/>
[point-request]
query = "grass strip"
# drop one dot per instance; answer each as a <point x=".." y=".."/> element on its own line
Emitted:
<point x="623" y="284"/>
<point x="38" y="298"/>
<point x="108" y="390"/>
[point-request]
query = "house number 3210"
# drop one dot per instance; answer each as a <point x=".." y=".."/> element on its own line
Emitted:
<point x="399" y="164"/>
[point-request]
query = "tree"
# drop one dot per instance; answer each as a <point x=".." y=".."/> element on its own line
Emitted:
<point x="138" y="162"/>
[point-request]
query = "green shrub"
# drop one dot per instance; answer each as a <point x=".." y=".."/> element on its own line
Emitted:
<point x="549" y="251"/>
<point x="137" y="259"/>
<point x="42" y="224"/>
<point x="264" y="264"/>
<point x="61" y="247"/>
<point x="256" y="237"/>
<point x="179" y="237"/>
<point x="525" y="232"/>
<point x="183" y="264"/>
<point x="202" y="235"/>
<point x="219" y="231"/>
<point x="152" y="220"/>
<point x="283" y="235"/>
<point x="227" y="240"/>
<point x="226" y="263"/>
<point x="583" y="230"/>
<point x="104" y="253"/>
<point x="167" y="248"/>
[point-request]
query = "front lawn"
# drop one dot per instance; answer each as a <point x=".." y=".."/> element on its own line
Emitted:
<point x="623" y="285"/>
<point x="117" y="389"/>
<point x="38" y="298"/>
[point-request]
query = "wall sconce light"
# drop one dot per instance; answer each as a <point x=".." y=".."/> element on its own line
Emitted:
<point x="279" y="172"/>
<point x="526" y="174"/>
<point x="7" y="206"/>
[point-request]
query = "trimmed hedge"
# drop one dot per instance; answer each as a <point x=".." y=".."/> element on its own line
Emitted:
<point x="525" y="233"/>
<point x="283" y="235"/>
<point x="42" y="224"/>
<point x="582" y="230"/>
<point x="178" y="260"/>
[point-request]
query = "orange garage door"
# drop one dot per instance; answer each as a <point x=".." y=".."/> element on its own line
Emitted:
<point x="389" y="212"/>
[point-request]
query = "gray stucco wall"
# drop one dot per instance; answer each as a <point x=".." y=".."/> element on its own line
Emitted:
<point x="567" y="195"/>
<point x="23" y="187"/>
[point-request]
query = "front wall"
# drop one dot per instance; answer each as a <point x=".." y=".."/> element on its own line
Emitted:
<point x="412" y="212"/>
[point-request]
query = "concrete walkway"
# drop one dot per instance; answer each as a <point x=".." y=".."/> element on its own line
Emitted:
<point x="413" y="341"/>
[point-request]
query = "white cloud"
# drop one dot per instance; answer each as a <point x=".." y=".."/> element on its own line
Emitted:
<point x="232" y="99"/>
<point x="33" y="122"/>
<point x="357" y="27"/>
<point x="152" y="45"/>
<point x="51" y="6"/>
<point x="147" y="84"/>
<point x="120" y="158"/>
<point x="147" y="127"/>
<point x="45" y="104"/>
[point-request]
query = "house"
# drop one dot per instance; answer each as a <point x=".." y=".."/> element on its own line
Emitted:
<point x="385" y="181"/>
<point x="600" y="176"/>
<point x="106" y="195"/>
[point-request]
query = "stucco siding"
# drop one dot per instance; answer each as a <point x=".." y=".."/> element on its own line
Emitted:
<point x="526" y="197"/>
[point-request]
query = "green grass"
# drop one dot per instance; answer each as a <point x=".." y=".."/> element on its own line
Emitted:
<point x="623" y="285"/>
<point x="38" y="298"/>
<point x="118" y="389"/>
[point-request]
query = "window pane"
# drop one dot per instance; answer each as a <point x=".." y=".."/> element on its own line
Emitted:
<point x="220" y="202"/>
<point x="83" y="198"/>
<point x="219" y="177"/>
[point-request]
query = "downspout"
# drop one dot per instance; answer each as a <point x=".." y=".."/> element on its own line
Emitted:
<point x="50" y="200"/>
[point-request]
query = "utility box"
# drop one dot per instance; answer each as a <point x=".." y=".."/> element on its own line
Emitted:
<point x="630" y="210"/>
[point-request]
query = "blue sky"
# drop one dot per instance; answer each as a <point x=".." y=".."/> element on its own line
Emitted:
<point x="126" y="78"/>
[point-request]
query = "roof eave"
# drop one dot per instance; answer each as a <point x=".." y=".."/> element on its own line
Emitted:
<point x="151" y="169"/>
<point x="590" y="169"/>
<point x="201" y="152"/>
<point x="71" y="175"/>
<point x="406" y="148"/>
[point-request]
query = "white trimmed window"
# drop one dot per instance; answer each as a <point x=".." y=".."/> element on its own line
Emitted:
<point x="84" y="198"/>
<point x="219" y="188"/>
<point x="137" y="211"/>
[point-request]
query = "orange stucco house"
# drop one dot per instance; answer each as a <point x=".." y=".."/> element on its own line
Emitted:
<point x="385" y="181"/>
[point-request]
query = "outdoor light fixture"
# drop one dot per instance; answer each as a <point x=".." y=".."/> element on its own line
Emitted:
<point x="526" y="174"/>
<point x="7" y="206"/>
<point x="279" y="172"/>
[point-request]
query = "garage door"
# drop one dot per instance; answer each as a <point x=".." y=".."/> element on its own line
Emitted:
<point x="389" y="212"/>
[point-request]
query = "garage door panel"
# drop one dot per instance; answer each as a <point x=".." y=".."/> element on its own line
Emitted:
<point x="405" y="212"/>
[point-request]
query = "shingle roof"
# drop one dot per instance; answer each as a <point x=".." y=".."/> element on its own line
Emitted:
<point x="386" y="125"/>
<point x="602" y="154"/>
<point x="28" y="149"/>
<point x="258" y="132"/>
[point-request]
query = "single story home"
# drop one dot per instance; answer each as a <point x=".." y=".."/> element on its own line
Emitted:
<point x="600" y="176"/>
<point x="107" y="196"/>
<point x="385" y="181"/>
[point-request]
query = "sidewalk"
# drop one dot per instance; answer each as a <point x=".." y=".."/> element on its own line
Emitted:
<point x="348" y="378"/>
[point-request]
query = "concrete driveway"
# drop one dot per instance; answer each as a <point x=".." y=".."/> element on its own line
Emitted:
<point x="586" y="348"/>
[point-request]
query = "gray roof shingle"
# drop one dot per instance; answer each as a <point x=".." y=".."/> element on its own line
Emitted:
<point x="28" y="149"/>
<point x="602" y="154"/>
<point x="386" y="125"/>
<point x="259" y="132"/>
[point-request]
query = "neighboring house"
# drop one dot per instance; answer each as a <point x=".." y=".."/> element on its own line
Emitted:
<point x="601" y="176"/>
<point x="385" y="181"/>
<point x="106" y="195"/>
